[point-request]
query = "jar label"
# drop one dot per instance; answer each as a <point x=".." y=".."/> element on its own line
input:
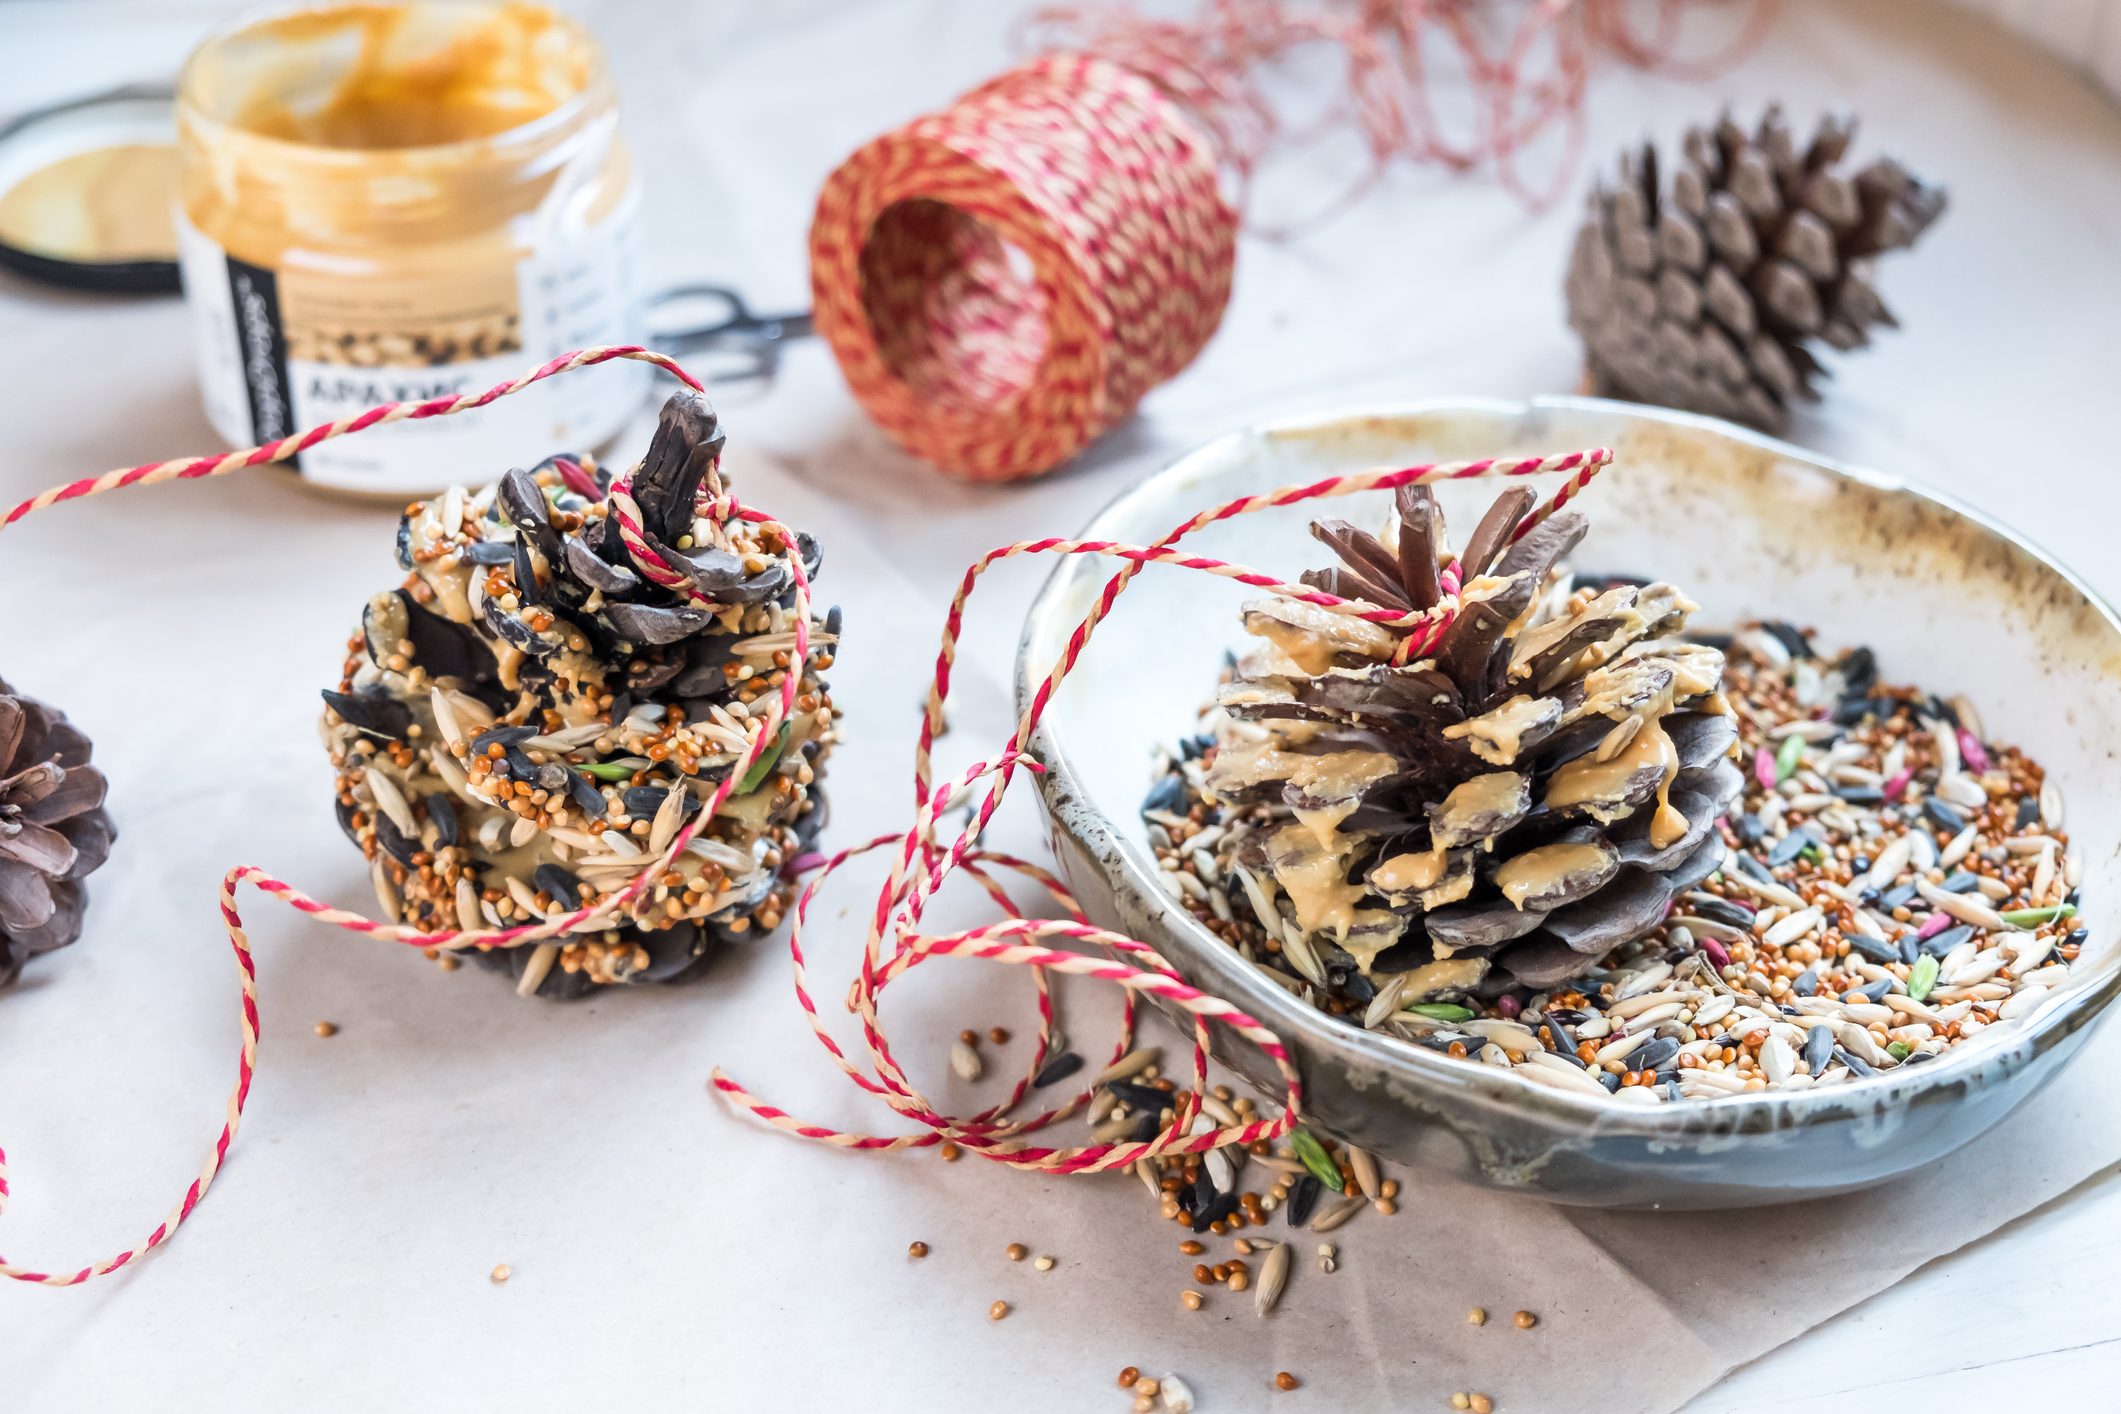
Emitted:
<point x="284" y="350"/>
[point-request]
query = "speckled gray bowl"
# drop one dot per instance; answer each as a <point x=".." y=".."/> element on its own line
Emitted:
<point x="1750" y="528"/>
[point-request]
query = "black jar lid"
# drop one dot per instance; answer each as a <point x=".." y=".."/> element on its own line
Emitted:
<point x="49" y="160"/>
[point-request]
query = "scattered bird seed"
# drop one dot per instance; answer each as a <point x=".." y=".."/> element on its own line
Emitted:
<point x="327" y="1028"/>
<point x="1338" y="1214"/>
<point x="1525" y="1320"/>
<point x="916" y="1249"/>
<point x="1478" y="1316"/>
<point x="501" y="1274"/>
<point x="965" y="1061"/>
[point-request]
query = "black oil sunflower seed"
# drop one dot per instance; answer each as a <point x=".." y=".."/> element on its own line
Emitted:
<point x="1058" y="1069"/>
<point x="1302" y="1199"/>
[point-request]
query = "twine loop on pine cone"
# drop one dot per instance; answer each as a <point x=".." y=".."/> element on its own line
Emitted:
<point x="921" y="862"/>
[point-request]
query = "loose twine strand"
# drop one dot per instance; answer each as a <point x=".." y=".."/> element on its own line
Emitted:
<point x="921" y="864"/>
<point x="1215" y="64"/>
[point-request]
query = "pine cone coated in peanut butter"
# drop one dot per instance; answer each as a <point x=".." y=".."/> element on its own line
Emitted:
<point x="1506" y="810"/>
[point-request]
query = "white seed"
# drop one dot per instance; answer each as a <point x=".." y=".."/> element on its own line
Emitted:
<point x="965" y="1061"/>
<point x="522" y="832"/>
<point x="1338" y="1214"/>
<point x="468" y="907"/>
<point x="1714" y="1009"/>
<point x="1891" y="860"/>
<point x="1177" y="1397"/>
<point x="2022" y="1002"/>
<point x="386" y="895"/>
<point x="2032" y="952"/>
<point x="1959" y="906"/>
<point x="534" y="972"/>
<point x="2051" y="804"/>
<point x="1790" y="929"/>
<point x="1777" y="1060"/>
<point x="1273" y="1277"/>
<point x="391" y="801"/>
<point x="2044" y="873"/>
<point x="1907" y="1006"/>
<point x="1962" y="789"/>
<point x="1957" y="849"/>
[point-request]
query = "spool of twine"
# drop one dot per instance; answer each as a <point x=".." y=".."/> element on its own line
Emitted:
<point x="1004" y="280"/>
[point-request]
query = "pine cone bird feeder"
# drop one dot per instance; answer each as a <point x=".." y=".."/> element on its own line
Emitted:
<point x="1505" y="811"/>
<point x="530" y="717"/>
<point x="53" y="829"/>
<point x="1712" y="291"/>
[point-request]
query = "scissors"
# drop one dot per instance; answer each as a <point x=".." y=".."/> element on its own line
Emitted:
<point x="690" y="319"/>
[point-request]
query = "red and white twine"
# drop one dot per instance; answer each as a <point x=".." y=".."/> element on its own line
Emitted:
<point x="921" y="862"/>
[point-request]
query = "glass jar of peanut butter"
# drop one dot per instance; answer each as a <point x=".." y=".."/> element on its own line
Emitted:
<point x="394" y="200"/>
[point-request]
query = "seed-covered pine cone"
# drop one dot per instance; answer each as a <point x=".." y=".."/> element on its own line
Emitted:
<point x="1709" y="292"/>
<point x="529" y="719"/>
<point x="1506" y="811"/>
<point x="54" y="830"/>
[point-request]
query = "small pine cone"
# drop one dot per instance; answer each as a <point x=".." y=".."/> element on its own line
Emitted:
<point x="54" y="830"/>
<point x="531" y="718"/>
<point x="1711" y="292"/>
<point x="1508" y="810"/>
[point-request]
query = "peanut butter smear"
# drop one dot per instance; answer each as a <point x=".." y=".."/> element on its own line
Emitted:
<point x="411" y="75"/>
<point x="109" y="204"/>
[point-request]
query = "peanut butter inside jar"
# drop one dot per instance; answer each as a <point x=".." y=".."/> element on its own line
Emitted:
<point x="387" y="202"/>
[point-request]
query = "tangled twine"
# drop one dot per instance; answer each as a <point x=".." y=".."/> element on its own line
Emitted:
<point x="922" y="864"/>
<point x="1004" y="280"/>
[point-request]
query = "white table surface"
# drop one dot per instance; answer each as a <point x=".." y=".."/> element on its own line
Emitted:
<point x="2001" y="389"/>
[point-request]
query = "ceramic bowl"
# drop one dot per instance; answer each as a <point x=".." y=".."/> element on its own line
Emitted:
<point x="1749" y="527"/>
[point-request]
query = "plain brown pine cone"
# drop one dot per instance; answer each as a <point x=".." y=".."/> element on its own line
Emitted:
<point x="1512" y="807"/>
<point x="53" y="829"/>
<point x="1711" y="291"/>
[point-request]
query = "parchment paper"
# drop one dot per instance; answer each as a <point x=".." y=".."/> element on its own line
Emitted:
<point x="665" y="1253"/>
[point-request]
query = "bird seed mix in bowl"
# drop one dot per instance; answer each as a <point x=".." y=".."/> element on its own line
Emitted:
<point x="1575" y="841"/>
